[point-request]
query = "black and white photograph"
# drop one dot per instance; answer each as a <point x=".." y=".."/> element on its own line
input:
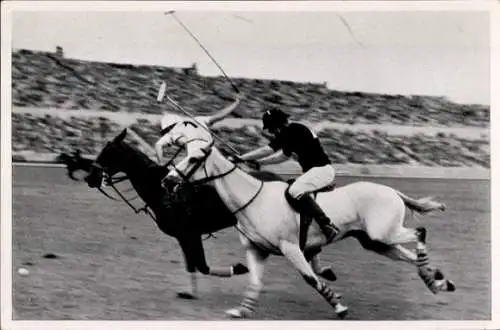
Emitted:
<point x="257" y="161"/>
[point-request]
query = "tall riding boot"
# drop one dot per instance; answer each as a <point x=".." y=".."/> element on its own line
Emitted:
<point x="311" y="208"/>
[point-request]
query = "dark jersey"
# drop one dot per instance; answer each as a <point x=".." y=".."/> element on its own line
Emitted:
<point x="298" y="141"/>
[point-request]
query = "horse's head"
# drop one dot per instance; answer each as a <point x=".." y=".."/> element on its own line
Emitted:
<point x="64" y="158"/>
<point x="201" y="164"/>
<point x="74" y="163"/>
<point x="110" y="161"/>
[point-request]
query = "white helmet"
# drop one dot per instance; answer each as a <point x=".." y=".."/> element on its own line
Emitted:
<point x="169" y="120"/>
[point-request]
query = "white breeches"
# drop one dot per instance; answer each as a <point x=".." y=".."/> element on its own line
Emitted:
<point x="314" y="179"/>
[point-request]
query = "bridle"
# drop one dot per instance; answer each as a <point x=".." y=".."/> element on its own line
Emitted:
<point x="111" y="180"/>
<point x="208" y="178"/>
<point x="202" y="161"/>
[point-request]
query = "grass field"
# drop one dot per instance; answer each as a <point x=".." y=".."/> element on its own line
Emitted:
<point x="116" y="265"/>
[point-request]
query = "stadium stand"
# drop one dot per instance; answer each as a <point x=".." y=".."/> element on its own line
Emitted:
<point x="51" y="134"/>
<point x="47" y="80"/>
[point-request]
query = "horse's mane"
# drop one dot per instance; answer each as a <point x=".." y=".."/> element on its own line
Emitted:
<point x="139" y="154"/>
<point x="266" y="176"/>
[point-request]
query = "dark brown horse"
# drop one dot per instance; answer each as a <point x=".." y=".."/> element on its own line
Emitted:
<point x="186" y="214"/>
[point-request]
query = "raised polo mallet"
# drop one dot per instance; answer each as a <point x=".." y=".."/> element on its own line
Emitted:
<point x="172" y="13"/>
<point x="162" y="94"/>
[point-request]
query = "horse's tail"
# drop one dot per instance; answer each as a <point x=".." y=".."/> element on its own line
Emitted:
<point x="422" y="205"/>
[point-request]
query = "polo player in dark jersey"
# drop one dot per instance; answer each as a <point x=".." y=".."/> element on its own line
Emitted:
<point x="291" y="139"/>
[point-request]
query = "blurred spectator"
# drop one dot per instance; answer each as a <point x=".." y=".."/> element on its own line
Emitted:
<point x="55" y="135"/>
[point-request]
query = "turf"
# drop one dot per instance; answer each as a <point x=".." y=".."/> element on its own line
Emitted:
<point x="112" y="264"/>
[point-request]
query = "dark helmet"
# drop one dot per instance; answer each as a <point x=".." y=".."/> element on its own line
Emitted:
<point x="274" y="117"/>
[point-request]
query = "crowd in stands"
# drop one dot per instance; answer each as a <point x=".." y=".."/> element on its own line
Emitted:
<point x="49" y="80"/>
<point x="51" y="134"/>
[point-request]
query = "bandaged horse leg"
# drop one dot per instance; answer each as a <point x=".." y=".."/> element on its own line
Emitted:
<point x="293" y="253"/>
<point x="236" y="269"/>
<point x="391" y="248"/>
<point x="433" y="277"/>
<point x="256" y="260"/>
<point x="190" y="291"/>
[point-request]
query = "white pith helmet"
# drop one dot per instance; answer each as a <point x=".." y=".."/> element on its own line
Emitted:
<point x="170" y="119"/>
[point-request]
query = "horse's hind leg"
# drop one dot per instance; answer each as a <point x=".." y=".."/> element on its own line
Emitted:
<point x="325" y="272"/>
<point x="432" y="276"/>
<point x="293" y="253"/>
<point x="312" y="256"/>
<point x="395" y="252"/>
<point x="256" y="260"/>
<point x="194" y="259"/>
<point x="391" y="248"/>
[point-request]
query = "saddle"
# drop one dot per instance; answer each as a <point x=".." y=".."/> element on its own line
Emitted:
<point x="305" y="220"/>
<point x="330" y="187"/>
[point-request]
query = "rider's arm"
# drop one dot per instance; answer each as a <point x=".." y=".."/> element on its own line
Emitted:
<point x="224" y="112"/>
<point x="276" y="158"/>
<point x="172" y="138"/>
<point x="258" y="153"/>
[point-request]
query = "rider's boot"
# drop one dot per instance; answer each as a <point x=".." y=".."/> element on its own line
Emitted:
<point x="308" y="205"/>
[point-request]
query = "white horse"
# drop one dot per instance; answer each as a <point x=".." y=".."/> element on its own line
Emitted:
<point x="372" y="213"/>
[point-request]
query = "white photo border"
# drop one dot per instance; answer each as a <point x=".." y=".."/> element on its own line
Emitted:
<point x="9" y="7"/>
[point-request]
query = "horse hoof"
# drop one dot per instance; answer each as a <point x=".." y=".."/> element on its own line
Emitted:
<point x="237" y="313"/>
<point x="186" y="295"/>
<point x="450" y="286"/>
<point x="234" y="313"/>
<point x="328" y="274"/>
<point x="341" y="311"/>
<point x="438" y="275"/>
<point x="240" y="269"/>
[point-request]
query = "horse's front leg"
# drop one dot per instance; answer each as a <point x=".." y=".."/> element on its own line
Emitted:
<point x="194" y="256"/>
<point x="190" y="290"/>
<point x="325" y="272"/>
<point x="292" y="252"/>
<point x="256" y="260"/>
<point x="197" y="254"/>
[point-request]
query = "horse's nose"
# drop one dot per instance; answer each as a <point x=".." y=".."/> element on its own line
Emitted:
<point x="172" y="178"/>
<point x="93" y="179"/>
<point x="88" y="179"/>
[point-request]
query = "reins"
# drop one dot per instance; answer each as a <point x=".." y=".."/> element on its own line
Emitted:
<point x="111" y="181"/>
<point x="207" y="179"/>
